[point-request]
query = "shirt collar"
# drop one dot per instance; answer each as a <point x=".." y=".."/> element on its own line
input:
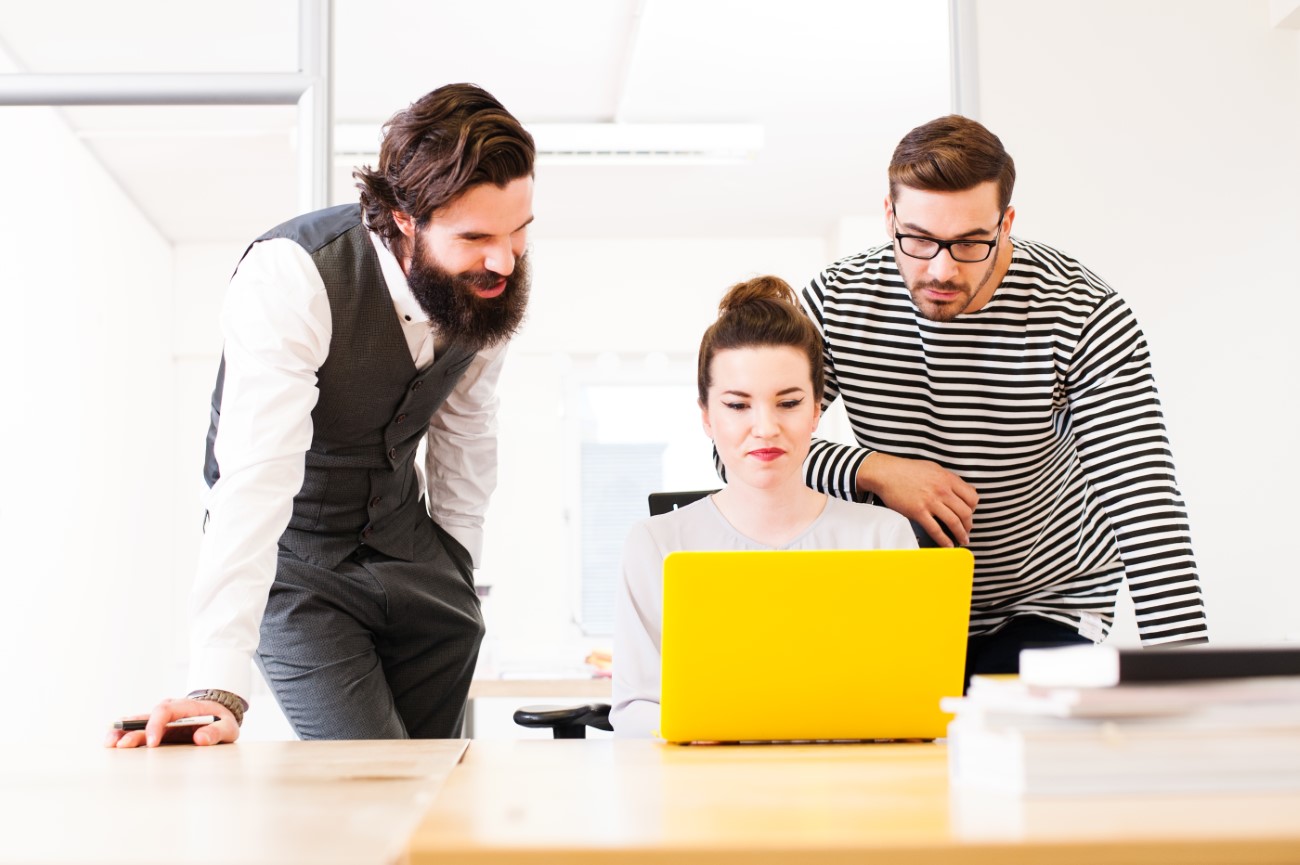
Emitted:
<point x="403" y="301"/>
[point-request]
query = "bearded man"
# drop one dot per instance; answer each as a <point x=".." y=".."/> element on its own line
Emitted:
<point x="352" y="335"/>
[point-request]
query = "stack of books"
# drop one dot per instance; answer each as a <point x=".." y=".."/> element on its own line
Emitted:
<point x="1100" y="720"/>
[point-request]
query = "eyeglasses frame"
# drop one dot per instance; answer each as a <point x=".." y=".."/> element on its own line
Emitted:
<point x="947" y="245"/>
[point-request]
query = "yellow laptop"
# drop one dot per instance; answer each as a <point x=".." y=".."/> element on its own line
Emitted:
<point x="797" y="645"/>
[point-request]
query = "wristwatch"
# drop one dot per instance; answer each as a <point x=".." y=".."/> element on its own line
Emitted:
<point x="235" y="703"/>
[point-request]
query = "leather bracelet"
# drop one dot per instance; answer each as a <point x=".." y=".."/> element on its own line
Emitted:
<point x="235" y="703"/>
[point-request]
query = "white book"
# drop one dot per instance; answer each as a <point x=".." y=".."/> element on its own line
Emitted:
<point x="1111" y="757"/>
<point x="1242" y="697"/>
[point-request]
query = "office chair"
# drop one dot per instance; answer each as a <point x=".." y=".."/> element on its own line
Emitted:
<point x="571" y="722"/>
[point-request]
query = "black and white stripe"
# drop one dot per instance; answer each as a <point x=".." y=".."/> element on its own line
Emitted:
<point x="1044" y="401"/>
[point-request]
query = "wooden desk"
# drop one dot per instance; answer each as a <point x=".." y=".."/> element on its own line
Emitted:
<point x="543" y="802"/>
<point x="350" y="803"/>
<point x="597" y="688"/>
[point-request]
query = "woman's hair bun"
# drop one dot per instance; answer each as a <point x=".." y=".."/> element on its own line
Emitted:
<point x="757" y="289"/>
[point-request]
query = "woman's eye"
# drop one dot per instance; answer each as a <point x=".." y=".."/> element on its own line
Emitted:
<point x="791" y="403"/>
<point x="735" y="406"/>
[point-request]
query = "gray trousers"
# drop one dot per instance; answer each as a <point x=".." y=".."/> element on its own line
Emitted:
<point x="376" y="648"/>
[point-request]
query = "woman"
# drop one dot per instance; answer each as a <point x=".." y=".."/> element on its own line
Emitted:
<point x="760" y="380"/>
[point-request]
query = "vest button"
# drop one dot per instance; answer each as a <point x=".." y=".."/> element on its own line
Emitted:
<point x="418" y="383"/>
<point x="400" y="418"/>
<point x="392" y="453"/>
<point x="374" y="503"/>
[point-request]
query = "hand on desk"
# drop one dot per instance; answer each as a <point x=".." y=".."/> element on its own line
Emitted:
<point x="224" y="730"/>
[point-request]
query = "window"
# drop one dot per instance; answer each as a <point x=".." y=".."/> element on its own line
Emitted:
<point x="638" y="432"/>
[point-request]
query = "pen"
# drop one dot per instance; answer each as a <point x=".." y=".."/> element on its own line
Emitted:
<point x="192" y="721"/>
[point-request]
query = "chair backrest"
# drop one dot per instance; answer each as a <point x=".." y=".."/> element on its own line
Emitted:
<point x="662" y="503"/>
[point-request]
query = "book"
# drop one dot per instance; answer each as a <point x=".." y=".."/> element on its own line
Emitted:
<point x="1165" y="737"/>
<point x="1013" y="695"/>
<point x="1103" y="666"/>
<point x="1122" y="757"/>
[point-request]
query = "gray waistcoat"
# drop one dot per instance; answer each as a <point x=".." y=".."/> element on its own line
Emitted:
<point x="374" y="407"/>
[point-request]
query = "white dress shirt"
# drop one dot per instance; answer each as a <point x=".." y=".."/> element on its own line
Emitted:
<point x="276" y="324"/>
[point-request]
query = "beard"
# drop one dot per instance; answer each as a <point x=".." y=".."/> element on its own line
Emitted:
<point x="941" y="310"/>
<point x="947" y="310"/>
<point x="457" y="310"/>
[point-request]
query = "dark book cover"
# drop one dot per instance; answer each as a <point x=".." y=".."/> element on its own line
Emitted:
<point x="1103" y="666"/>
<point x="1158" y="665"/>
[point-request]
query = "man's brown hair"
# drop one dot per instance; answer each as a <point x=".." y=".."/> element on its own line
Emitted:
<point x="455" y="138"/>
<point x="952" y="154"/>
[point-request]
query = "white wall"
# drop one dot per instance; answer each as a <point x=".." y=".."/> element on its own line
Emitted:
<point x="1156" y="141"/>
<point x="1159" y="142"/>
<point x="85" y="440"/>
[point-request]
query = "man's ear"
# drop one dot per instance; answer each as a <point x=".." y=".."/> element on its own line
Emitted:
<point x="1007" y="219"/>
<point x="889" y="217"/>
<point x="405" y="223"/>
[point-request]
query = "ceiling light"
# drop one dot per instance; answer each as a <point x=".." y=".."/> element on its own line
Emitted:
<point x="604" y="143"/>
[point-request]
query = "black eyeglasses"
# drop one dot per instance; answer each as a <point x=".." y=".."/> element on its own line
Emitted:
<point x="965" y="251"/>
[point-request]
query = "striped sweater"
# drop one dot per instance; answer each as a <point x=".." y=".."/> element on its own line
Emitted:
<point x="1044" y="401"/>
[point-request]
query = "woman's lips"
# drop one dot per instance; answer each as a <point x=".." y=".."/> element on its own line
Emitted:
<point x="767" y="454"/>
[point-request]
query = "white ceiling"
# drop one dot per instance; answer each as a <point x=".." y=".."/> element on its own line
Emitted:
<point x="833" y="84"/>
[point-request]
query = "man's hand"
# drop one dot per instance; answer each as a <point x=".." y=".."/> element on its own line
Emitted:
<point x="923" y="491"/>
<point x="224" y="730"/>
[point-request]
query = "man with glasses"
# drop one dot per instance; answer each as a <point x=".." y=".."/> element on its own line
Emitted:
<point x="1001" y="393"/>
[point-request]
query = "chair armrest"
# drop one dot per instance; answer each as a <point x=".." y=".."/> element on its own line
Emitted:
<point x="567" y="722"/>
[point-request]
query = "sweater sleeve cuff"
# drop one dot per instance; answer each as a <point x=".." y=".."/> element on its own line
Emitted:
<point x="832" y="468"/>
<point x="850" y="479"/>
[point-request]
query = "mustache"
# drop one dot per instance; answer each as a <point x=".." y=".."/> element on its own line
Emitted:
<point x="945" y="285"/>
<point x="479" y="279"/>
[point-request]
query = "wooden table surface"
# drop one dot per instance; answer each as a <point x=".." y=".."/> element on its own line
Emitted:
<point x="575" y="802"/>
<point x="351" y="803"/>
<point x="607" y="801"/>
<point x="592" y="686"/>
